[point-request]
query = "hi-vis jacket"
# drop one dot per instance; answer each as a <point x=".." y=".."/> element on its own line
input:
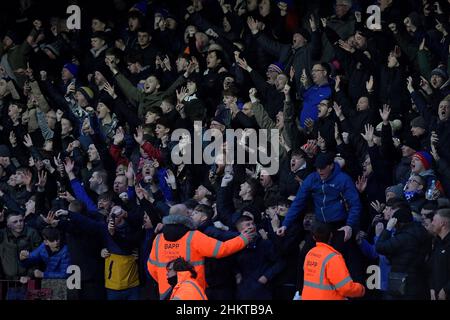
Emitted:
<point x="187" y="288"/>
<point x="194" y="246"/>
<point x="326" y="276"/>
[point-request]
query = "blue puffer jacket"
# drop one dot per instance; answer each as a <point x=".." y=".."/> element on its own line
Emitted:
<point x="311" y="98"/>
<point x="56" y="263"/>
<point x="331" y="198"/>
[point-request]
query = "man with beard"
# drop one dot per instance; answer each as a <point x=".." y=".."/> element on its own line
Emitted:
<point x="98" y="183"/>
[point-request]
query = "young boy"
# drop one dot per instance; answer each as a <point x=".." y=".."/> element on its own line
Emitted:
<point x="51" y="254"/>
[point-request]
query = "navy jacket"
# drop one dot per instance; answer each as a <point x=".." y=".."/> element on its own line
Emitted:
<point x="260" y="258"/>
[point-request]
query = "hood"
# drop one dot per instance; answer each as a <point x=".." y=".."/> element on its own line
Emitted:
<point x="176" y="226"/>
<point x="174" y="219"/>
<point x="183" y="276"/>
<point x="426" y="173"/>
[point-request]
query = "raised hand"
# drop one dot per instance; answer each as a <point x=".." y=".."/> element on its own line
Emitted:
<point x="193" y="64"/>
<point x="337" y="135"/>
<point x="337" y="110"/>
<point x="422" y="45"/>
<point x="410" y="84"/>
<point x="321" y="142"/>
<point x="110" y="89"/>
<point x="12" y="139"/>
<point x="27" y="179"/>
<point x="434" y="141"/>
<point x="42" y="179"/>
<point x="139" y="136"/>
<point x="312" y="23"/>
<point x="66" y="195"/>
<point x="283" y="6"/>
<point x="119" y="136"/>
<point x="337" y="84"/>
<point x="69" y="165"/>
<point x="291" y="73"/>
<point x="369" y="85"/>
<point x="368" y="135"/>
<point x="28" y="142"/>
<point x="243" y="64"/>
<point x="130" y="172"/>
<point x="377" y="206"/>
<point x="384" y="114"/>
<point x="304" y="79"/>
<point x="361" y="184"/>
<point x="425" y="85"/>
<point x="309" y="123"/>
<point x="181" y="95"/>
<point x="170" y="179"/>
<point x="50" y="219"/>
<point x="141" y="193"/>
<point x="70" y="89"/>
<point x="252" y="25"/>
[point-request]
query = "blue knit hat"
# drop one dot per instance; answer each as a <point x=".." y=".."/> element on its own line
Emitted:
<point x="441" y="73"/>
<point x="73" y="68"/>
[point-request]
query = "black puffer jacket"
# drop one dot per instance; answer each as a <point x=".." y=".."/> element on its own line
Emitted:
<point x="407" y="250"/>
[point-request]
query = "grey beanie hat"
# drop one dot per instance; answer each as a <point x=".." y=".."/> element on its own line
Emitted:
<point x="396" y="189"/>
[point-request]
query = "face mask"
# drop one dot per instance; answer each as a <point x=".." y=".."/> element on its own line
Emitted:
<point x="173" y="280"/>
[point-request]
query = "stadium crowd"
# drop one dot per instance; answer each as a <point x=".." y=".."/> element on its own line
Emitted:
<point x="88" y="175"/>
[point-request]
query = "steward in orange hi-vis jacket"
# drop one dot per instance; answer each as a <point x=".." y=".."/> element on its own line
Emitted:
<point x="179" y="240"/>
<point x="326" y="276"/>
<point x="182" y="276"/>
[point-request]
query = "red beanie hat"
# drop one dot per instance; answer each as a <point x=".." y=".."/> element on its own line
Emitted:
<point x="425" y="158"/>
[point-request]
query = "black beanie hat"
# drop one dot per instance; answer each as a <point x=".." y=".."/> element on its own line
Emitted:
<point x="412" y="142"/>
<point x="403" y="215"/>
<point x="305" y="33"/>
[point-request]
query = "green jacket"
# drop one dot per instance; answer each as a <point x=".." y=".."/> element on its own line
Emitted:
<point x="344" y="27"/>
<point x="17" y="57"/>
<point x="265" y="122"/>
<point x="424" y="58"/>
<point x="10" y="248"/>
<point x="143" y="100"/>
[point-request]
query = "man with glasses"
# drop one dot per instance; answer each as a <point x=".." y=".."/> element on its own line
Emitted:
<point x="414" y="192"/>
<point x="312" y="95"/>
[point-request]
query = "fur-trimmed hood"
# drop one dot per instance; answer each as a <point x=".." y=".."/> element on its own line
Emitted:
<point x="179" y="219"/>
